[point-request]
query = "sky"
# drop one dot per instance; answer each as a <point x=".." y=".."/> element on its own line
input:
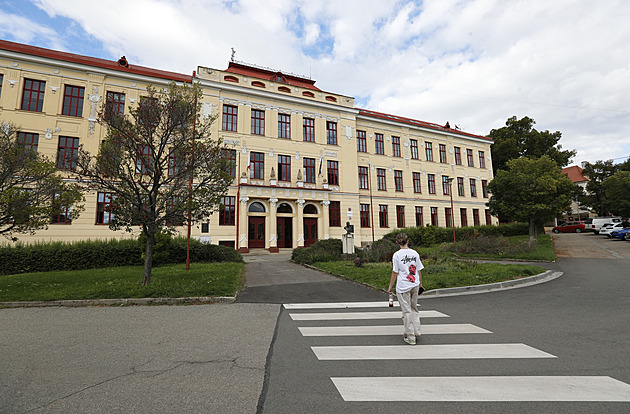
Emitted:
<point x="473" y="63"/>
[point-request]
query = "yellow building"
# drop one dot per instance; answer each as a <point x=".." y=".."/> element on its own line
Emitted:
<point x="307" y="161"/>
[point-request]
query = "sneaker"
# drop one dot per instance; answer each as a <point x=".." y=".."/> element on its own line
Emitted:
<point x="410" y="340"/>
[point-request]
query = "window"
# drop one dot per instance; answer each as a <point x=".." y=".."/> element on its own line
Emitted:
<point x="104" y="203"/>
<point x="442" y="153"/>
<point x="363" y="178"/>
<point x="284" y="126"/>
<point x="488" y="218"/>
<point x="258" y="84"/>
<point x="361" y="141"/>
<point x="382" y="216"/>
<point x="473" y="187"/>
<point x="256" y="207"/>
<point x="469" y="155"/>
<point x="230" y="155"/>
<point x="144" y="160"/>
<point x="175" y="162"/>
<point x="419" y="219"/>
<point x="284" y="168"/>
<point x="482" y="159"/>
<point x="258" y="122"/>
<point x="73" y="100"/>
<point x="484" y="188"/>
<point x="379" y="147"/>
<point x="449" y="216"/>
<point x="417" y="185"/>
<point x="309" y="170"/>
<point x="431" y="179"/>
<point x="333" y="172"/>
<point x="458" y="156"/>
<point x="334" y="217"/>
<point x="414" y="149"/>
<point x="400" y="217"/>
<point x="398" y="180"/>
<point x="174" y="213"/>
<point x="230" y="116"/>
<point x="33" y="97"/>
<point x="460" y="187"/>
<point x="114" y="103"/>
<point x="284" y="208"/>
<point x="309" y="129"/>
<point x="63" y="213"/>
<point x="228" y="243"/>
<point x="434" y="216"/>
<point x="67" y="153"/>
<point x="396" y="146"/>
<point x="331" y="133"/>
<point x="29" y="140"/>
<point x="148" y="112"/>
<point x="227" y="215"/>
<point x="463" y="217"/>
<point x="1" y="79"/>
<point x="476" y="217"/>
<point x="428" y="150"/>
<point x="257" y="165"/>
<point x="381" y="180"/>
<point x="310" y="209"/>
<point x="364" y="214"/>
<point x="446" y="186"/>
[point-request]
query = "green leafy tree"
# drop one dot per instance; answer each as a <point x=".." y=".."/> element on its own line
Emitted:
<point x="518" y="138"/>
<point x="597" y="174"/>
<point x="31" y="189"/>
<point x="160" y="164"/>
<point x="531" y="190"/>
<point x="617" y="194"/>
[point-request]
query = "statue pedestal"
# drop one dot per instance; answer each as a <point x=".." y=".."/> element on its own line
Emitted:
<point x="348" y="243"/>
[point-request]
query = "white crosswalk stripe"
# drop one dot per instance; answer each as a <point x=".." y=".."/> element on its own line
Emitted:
<point x="462" y="388"/>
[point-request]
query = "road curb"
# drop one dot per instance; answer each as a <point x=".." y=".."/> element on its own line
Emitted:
<point x="120" y="302"/>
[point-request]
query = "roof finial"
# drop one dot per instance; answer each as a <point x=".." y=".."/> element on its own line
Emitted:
<point x="232" y="58"/>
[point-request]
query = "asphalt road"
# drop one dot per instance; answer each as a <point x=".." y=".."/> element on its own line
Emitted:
<point x="580" y="321"/>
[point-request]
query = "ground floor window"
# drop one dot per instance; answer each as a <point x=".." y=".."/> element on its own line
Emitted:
<point x="228" y="243"/>
<point x="334" y="217"/>
<point x="463" y="216"/>
<point x="365" y="215"/>
<point x="476" y="217"/>
<point x="400" y="217"/>
<point x="419" y="219"/>
<point x="434" y="216"/>
<point x="382" y="216"/>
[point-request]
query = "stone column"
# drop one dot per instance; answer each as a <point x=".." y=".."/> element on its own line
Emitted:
<point x="242" y="244"/>
<point x="273" y="226"/>
<point x="323" y="225"/>
<point x="300" y="223"/>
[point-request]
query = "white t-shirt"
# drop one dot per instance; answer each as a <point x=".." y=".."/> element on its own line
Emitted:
<point x="406" y="262"/>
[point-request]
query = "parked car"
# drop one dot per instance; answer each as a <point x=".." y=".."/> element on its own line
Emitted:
<point x="608" y="228"/>
<point x="570" y="227"/>
<point x="623" y="234"/>
<point x="597" y="222"/>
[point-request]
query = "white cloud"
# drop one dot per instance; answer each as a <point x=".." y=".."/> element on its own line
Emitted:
<point x="472" y="62"/>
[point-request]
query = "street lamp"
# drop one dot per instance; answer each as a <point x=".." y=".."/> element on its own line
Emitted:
<point x="450" y="191"/>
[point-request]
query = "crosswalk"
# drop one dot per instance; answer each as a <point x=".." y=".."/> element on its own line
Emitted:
<point x="430" y="388"/>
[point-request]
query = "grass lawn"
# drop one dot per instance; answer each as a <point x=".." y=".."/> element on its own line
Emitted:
<point x="443" y="274"/>
<point x="171" y="281"/>
<point x="543" y="251"/>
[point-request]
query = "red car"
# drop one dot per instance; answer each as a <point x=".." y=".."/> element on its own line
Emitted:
<point x="570" y="227"/>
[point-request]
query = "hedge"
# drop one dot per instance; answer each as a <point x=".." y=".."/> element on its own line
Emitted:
<point x="93" y="254"/>
<point x="321" y="251"/>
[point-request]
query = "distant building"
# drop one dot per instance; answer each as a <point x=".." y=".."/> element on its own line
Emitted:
<point x="306" y="160"/>
<point x="576" y="212"/>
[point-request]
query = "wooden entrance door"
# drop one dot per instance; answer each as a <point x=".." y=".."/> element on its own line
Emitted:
<point x="310" y="231"/>
<point x="256" y="233"/>
<point x="285" y="232"/>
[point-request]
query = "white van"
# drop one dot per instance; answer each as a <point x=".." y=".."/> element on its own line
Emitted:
<point x="597" y="223"/>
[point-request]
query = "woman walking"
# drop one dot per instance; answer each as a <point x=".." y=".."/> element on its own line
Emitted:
<point x="407" y="275"/>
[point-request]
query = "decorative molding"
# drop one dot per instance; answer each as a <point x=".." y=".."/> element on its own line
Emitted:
<point x="49" y="133"/>
<point x="326" y="203"/>
<point x="300" y="202"/>
<point x="330" y="154"/>
<point x="94" y="99"/>
<point x="229" y="141"/>
<point x="244" y="200"/>
<point x="272" y="202"/>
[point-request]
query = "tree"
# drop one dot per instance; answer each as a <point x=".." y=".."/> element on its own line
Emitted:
<point x="31" y="190"/>
<point x="532" y="190"/>
<point x="518" y="138"/>
<point x="617" y="194"/>
<point x="597" y="174"/>
<point x="159" y="164"/>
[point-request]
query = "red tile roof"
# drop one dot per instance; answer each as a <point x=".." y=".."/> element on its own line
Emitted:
<point x="423" y="124"/>
<point x="270" y="75"/>
<point x="574" y="173"/>
<point x="90" y="61"/>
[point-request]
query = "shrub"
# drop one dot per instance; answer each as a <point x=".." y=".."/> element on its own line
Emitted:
<point x="493" y="245"/>
<point x="380" y="251"/>
<point x="321" y="251"/>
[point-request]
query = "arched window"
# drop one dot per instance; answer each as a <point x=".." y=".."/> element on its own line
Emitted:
<point x="284" y="208"/>
<point x="310" y="209"/>
<point x="258" y="84"/>
<point x="256" y="207"/>
<point x="284" y="89"/>
<point x="309" y="94"/>
<point x="331" y="98"/>
<point x="230" y="78"/>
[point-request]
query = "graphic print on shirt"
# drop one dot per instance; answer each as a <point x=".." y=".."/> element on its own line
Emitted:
<point x="412" y="274"/>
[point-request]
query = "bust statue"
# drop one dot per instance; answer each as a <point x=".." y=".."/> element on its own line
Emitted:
<point x="349" y="228"/>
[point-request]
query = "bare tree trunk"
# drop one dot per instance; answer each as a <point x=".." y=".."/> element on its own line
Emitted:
<point x="148" y="260"/>
<point x="533" y="229"/>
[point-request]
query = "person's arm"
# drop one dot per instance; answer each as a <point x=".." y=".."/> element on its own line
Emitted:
<point x="392" y="281"/>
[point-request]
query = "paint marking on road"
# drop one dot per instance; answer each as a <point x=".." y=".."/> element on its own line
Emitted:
<point x="503" y="388"/>
<point x="385" y="330"/>
<point x="338" y="305"/>
<point x="332" y="316"/>
<point x="451" y="351"/>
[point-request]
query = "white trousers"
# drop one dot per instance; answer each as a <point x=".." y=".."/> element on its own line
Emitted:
<point x="410" y="316"/>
